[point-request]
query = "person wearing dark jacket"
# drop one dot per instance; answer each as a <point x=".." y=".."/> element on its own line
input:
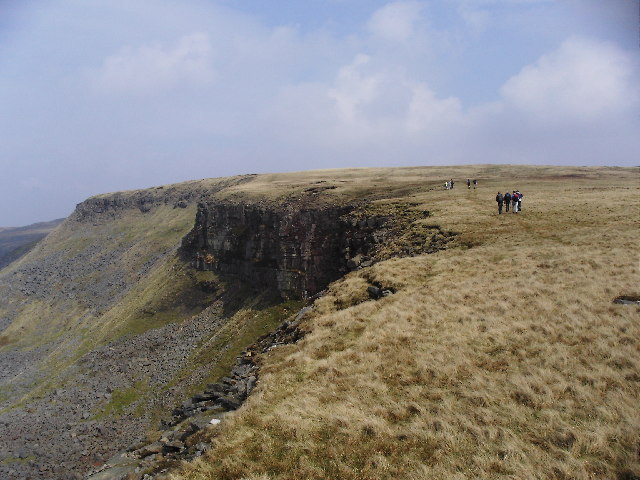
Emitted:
<point x="519" y="200"/>
<point x="507" y="201"/>
<point x="500" y="200"/>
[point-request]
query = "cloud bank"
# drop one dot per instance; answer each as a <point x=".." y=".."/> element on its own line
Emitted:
<point x="153" y="69"/>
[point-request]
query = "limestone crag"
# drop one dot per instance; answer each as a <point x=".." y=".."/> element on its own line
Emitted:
<point x="297" y="251"/>
<point x="103" y="208"/>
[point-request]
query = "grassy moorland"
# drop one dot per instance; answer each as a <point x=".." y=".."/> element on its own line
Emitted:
<point x="501" y="357"/>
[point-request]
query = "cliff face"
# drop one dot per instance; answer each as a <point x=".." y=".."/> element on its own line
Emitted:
<point x="105" y="285"/>
<point x="104" y="208"/>
<point x="128" y="306"/>
<point x="296" y="251"/>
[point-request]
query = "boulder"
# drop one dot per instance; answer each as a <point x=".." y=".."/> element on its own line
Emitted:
<point x="203" y="397"/>
<point x="200" y="422"/>
<point x="173" y="447"/>
<point x="251" y="383"/>
<point x="215" y="388"/>
<point x="151" y="449"/>
<point x="374" y="292"/>
<point x="229" y="402"/>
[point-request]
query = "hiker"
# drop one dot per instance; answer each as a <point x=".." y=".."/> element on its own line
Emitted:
<point x="519" y="200"/>
<point x="451" y="183"/>
<point x="500" y="200"/>
<point x="446" y="185"/>
<point x="507" y="201"/>
<point x="468" y="183"/>
<point x="514" y="202"/>
<point x="475" y="183"/>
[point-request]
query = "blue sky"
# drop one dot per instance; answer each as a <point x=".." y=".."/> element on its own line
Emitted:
<point x="106" y="95"/>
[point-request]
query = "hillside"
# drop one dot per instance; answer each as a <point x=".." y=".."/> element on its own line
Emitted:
<point x="16" y="241"/>
<point x="496" y="351"/>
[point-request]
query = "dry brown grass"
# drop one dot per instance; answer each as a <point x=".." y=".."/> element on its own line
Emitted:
<point x="505" y="360"/>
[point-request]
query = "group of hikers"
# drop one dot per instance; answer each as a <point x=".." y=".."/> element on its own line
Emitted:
<point x="510" y="199"/>
<point x="449" y="185"/>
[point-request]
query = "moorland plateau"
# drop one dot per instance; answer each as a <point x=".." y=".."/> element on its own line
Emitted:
<point x="347" y="324"/>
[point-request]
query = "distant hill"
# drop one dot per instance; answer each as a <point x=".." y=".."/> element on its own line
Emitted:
<point x="16" y="241"/>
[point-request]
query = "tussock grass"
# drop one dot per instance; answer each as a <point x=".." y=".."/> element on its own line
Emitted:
<point x="501" y="358"/>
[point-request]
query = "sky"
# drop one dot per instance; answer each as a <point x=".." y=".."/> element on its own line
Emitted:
<point x="99" y="96"/>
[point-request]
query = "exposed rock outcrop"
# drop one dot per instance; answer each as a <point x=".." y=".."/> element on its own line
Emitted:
<point x="101" y="208"/>
<point x="297" y="249"/>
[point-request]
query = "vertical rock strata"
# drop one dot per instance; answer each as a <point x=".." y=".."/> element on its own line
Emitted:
<point x="297" y="251"/>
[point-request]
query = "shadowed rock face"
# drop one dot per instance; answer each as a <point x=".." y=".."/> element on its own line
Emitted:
<point x="297" y="251"/>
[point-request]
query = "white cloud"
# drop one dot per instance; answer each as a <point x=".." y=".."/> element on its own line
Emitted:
<point x="583" y="80"/>
<point x="569" y="104"/>
<point x="150" y="69"/>
<point x="396" y="21"/>
<point x="476" y="18"/>
<point x="353" y="90"/>
<point x="364" y="106"/>
<point x="429" y="115"/>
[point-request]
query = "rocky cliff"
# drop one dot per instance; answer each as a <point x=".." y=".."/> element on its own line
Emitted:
<point x="296" y="251"/>
<point x="142" y="298"/>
